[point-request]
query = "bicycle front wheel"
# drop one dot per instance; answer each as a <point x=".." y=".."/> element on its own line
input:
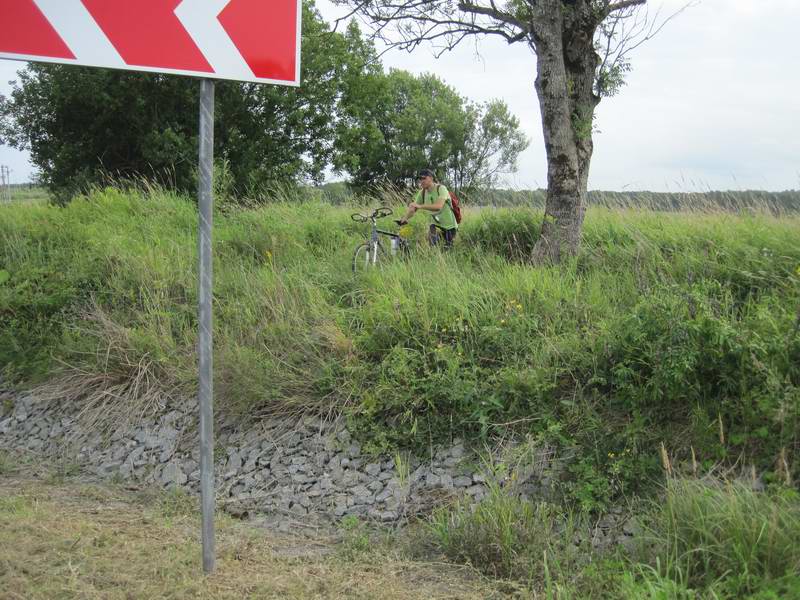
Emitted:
<point x="362" y="257"/>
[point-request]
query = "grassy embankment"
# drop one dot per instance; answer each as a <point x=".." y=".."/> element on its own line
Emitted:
<point x="679" y="329"/>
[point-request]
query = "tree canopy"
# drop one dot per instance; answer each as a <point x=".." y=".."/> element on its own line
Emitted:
<point x="83" y="125"/>
<point x="399" y="122"/>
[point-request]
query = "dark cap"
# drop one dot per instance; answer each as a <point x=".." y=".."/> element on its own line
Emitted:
<point x="425" y="173"/>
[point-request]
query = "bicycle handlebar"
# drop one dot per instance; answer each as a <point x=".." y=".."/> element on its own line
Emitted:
<point x="378" y="213"/>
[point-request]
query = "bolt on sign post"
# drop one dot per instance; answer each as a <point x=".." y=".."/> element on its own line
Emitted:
<point x="254" y="41"/>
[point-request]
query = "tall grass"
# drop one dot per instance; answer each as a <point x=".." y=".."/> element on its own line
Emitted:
<point x="722" y="538"/>
<point x="508" y="537"/>
<point x="665" y="326"/>
<point x="703" y="538"/>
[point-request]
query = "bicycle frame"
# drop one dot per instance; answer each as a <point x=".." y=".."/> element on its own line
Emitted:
<point x="373" y="244"/>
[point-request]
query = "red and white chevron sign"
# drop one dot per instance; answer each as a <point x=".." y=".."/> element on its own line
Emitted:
<point x="244" y="40"/>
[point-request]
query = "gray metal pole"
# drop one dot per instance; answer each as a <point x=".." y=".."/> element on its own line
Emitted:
<point x="205" y="350"/>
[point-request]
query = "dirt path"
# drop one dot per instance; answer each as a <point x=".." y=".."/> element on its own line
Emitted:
<point x="71" y="538"/>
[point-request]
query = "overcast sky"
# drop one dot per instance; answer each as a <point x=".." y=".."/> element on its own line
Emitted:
<point x="711" y="103"/>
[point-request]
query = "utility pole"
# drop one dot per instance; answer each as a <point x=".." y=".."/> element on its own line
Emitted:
<point x="5" y="183"/>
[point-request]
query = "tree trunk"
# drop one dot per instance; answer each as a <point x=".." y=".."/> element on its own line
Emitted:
<point x="566" y="64"/>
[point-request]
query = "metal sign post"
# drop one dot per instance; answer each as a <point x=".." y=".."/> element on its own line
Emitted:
<point x="206" y="339"/>
<point x="238" y="40"/>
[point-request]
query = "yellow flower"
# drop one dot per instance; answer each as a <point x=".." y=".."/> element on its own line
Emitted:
<point x="502" y="321"/>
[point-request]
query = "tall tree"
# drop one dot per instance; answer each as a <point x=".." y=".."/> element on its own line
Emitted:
<point x="580" y="47"/>
<point x="80" y="124"/>
<point x="393" y="124"/>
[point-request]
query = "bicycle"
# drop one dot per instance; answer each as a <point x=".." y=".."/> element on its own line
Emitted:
<point x="371" y="252"/>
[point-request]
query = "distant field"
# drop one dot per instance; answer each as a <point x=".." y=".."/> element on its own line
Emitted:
<point x="776" y="203"/>
<point x="25" y="193"/>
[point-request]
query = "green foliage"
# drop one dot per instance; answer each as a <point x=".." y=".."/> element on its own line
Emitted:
<point x="509" y="537"/>
<point x="355" y="538"/>
<point x="395" y="123"/>
<point x="673" y="328"/>
<point x="83" y="125"/>
<point x="725" y="539"/>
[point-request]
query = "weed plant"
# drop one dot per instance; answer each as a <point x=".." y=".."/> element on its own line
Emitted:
<point x="679" y="328"/>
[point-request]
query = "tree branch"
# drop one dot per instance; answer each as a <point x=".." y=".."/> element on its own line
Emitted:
<point x="492" y="12"/>
<point x="622" y="5"/>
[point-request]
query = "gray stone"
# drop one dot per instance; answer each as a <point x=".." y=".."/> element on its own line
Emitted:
<point x="172" y="474"/>
<point x="475" y="490"/>
<point x="108" y="468"/>
<point x="354" y="450"/>
<point x="462" y="481"/>
<point x="234" y="461"/>
<point x="343" y="436"/>
<point x="373" y="469"/>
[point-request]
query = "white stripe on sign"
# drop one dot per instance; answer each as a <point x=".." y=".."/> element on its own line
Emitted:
<point x="80" y="32"/>
<point x="200" y="18"/>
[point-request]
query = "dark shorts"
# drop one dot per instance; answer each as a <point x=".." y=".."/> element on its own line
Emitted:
<point x="437" y="234"/>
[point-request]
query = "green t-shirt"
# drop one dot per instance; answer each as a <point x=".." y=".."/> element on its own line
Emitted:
<point x="445" y="217"/>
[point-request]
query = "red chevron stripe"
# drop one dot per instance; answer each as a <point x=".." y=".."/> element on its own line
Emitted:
<point x="147" y="33"/>
<point x="28" y="32"/>
<point x="265" y="32"/>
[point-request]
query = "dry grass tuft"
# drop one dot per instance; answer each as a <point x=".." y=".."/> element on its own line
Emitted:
<point x="127" y="388"/>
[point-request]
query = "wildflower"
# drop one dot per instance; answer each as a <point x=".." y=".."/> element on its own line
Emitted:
<point x="502" y="321"/>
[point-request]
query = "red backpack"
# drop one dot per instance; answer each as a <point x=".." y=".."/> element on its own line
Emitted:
<point x="455" y="205"/>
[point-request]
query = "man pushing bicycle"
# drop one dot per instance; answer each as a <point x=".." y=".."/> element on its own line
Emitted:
<point x="436" y="199"/>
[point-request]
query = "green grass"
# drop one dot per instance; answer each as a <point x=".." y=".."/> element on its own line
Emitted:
<point x="703" y="539"/>
<point x="723" y="536"/>
<point x="669" y="327"/>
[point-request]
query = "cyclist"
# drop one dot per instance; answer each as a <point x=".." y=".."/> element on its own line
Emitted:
<point x="434" y="198"/>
